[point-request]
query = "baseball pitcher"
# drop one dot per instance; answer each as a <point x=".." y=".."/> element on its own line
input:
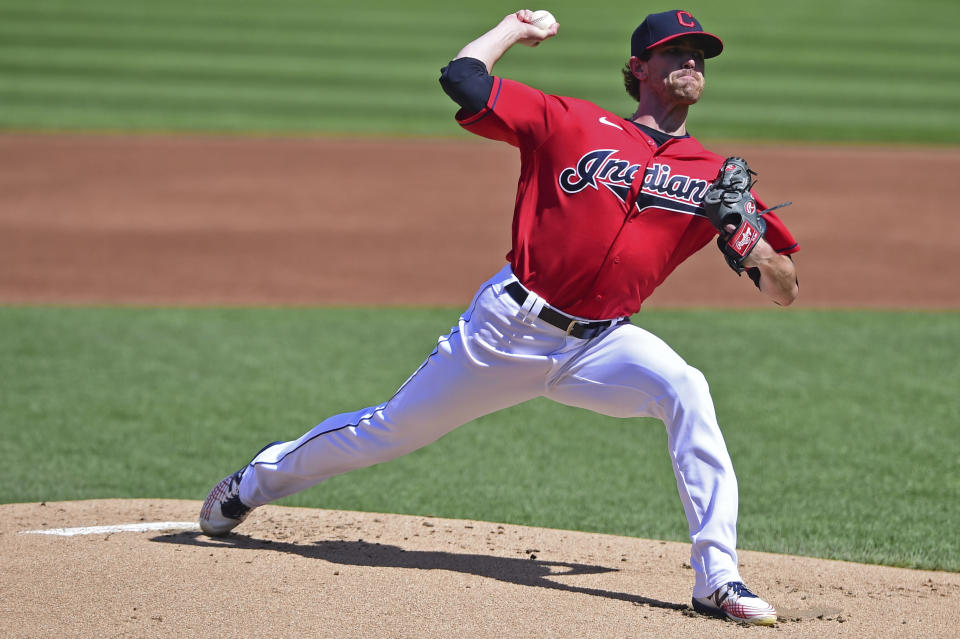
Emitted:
<point x="606" y="209"/>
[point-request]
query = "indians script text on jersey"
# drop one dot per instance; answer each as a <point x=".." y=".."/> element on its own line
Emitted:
<point x="661" y="188"/>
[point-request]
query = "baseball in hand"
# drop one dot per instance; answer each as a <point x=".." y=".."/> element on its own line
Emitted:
<point x="542" y="19"/>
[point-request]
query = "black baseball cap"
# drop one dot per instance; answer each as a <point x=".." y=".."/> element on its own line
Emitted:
<point x="660" y="28"/>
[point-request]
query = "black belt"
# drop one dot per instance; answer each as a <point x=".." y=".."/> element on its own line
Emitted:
<point x="570" y="325"/>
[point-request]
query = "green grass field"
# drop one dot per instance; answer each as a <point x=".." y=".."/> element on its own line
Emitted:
<point x="820" y="70"/>
<point x="843" y="427"/>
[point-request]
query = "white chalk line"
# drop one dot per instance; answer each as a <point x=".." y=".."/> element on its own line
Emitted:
<point x="96" y="530"/>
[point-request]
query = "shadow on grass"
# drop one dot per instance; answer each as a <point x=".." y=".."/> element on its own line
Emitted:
<point x="524" y="572"/>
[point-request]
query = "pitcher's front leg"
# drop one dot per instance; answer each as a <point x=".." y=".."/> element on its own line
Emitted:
<point x="629" y="372"/>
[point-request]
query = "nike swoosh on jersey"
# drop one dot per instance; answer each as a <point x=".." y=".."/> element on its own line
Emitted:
<point x="604" y="120"/>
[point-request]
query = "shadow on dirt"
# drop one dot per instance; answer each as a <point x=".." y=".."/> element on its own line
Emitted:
<point x="521" y="571"/>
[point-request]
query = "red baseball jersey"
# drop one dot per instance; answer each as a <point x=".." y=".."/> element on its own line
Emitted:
<point x="603" y="214"/>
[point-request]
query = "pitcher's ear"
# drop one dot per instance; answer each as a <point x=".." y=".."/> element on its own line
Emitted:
<point x="638" y="67"/>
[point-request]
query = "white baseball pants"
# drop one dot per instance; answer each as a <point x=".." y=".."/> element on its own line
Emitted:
<point x="499" y="355"/>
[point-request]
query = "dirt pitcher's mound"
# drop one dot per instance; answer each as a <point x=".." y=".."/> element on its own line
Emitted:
<point x="141" y="568"/>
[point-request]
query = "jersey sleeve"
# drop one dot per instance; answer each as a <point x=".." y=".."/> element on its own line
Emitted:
<point x="778" y="236"/>
<point x="467" y="82"/>
<point x="516" y="113"/>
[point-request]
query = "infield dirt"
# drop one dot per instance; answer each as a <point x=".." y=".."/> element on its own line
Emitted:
<point x="197" y="221"/>
<point x="150" y="220"/>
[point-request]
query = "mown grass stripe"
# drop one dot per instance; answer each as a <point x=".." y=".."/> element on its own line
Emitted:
<point x="50" y="119"/>
<point x="835" y="113"/>
<point x="815" y="57"/>
<point x="863" y="38"/>
<point x="284" y="12"/>
<point x="256" y="72"/>
<point x="369" y="25"/>
<point x="858" y="93"/>
<point x="150" y="42"/>
<point x="178" y="95"/>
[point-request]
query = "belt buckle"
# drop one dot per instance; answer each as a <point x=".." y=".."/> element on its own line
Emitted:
<point x="573" y="325"/>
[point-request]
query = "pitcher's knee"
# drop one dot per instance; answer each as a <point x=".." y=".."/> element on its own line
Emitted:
<point x="687" y="389"/>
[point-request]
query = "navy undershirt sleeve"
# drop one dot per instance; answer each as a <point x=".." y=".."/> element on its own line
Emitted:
<point x="467" y="82"/>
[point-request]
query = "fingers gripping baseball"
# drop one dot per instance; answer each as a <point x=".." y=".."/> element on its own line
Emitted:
<point x="537" y="26"/>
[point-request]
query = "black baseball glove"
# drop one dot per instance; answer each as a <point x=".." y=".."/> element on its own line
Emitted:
<point x="728" y="201"/>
